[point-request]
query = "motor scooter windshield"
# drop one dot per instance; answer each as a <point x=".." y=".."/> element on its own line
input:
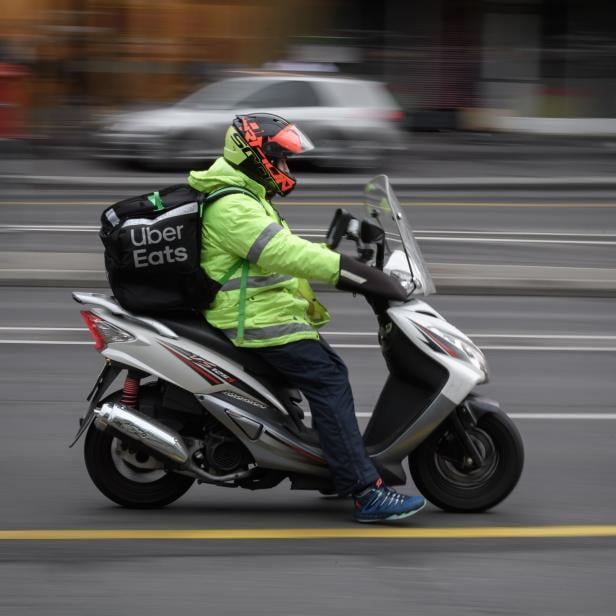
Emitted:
<point x="384" y="209"/>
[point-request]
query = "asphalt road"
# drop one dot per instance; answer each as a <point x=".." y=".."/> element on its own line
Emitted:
<point x="552" y="364"/>
<point x="560" y="230"/>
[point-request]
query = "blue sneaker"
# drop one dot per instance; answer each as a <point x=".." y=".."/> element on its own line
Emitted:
<point x="380" y="504"/>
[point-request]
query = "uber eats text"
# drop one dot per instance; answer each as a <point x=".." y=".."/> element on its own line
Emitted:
<point x="144" y="236"/>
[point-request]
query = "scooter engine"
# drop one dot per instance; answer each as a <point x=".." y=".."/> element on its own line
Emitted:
<point x="223" y="451"/>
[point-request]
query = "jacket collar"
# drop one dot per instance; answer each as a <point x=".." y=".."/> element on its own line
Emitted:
<point x="222" y="175"/>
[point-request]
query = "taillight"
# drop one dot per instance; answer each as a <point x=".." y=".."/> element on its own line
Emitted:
<point x="91" y="320"/>
<point x="394" y="116"/>
<point x="104" y="332"/>
<point x="382" y="114"/>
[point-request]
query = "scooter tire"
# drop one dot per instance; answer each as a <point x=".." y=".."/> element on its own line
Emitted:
<point x="450" y="488"/>
<point x="118" y="488"/>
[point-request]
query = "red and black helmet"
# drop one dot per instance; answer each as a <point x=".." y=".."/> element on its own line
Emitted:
<point x="258" y="144"/>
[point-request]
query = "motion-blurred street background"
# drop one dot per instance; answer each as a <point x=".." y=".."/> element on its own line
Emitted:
<point x="496" y="122"/>
<point x="538" y="66"/>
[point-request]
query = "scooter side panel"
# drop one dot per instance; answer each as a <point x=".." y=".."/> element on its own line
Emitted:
<point x="461" y="378"/>
<point x="410" y="318"/>
<point x="223" y="388"/>
<point x="180" y="361"/>
<point x="440" y="408"/>
<point x="271" y="445"/>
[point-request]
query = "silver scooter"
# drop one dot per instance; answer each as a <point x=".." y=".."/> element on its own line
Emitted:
<point x="194" y="407"/>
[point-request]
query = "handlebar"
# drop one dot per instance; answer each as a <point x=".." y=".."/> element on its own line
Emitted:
<point x="361" y="231"/>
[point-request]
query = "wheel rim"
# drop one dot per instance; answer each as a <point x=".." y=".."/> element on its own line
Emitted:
<point x="459" y="473"/>
<point x="135" y="466"/>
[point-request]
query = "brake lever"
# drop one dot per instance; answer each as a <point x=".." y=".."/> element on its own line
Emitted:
<point x="365" y="254"/>
<point x="353" y="230"/>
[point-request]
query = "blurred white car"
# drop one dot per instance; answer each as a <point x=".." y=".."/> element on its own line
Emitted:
<point x="353" y="123"/>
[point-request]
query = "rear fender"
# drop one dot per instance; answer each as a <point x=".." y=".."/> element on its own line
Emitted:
<point x="107" y="376"/>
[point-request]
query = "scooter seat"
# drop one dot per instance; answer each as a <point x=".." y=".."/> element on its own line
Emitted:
<point x="196" y="328"/>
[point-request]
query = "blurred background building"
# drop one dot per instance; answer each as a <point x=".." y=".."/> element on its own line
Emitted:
<point x="467" y="63"/>
<point x="529" y="65"/>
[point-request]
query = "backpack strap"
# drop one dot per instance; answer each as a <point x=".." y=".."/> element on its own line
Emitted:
<point x="156" y="201"/>
<point x="229" y="190"/>
<point x="242" y="315"/>
<point x="243" y="263"/>
<point x="231" y="271"/>
<point x="217" y="194"/>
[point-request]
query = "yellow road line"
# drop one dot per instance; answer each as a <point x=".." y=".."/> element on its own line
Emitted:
<point x="350" y="203"/>
<point x="359" y="532"/>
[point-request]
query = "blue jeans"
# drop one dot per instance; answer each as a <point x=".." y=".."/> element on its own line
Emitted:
<point x="320" y="374"/>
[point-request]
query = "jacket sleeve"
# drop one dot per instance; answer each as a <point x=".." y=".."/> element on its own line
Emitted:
<point x="243" y="228"/>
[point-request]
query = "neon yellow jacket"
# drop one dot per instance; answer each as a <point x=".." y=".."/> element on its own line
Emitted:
<point x="247" y="236"/>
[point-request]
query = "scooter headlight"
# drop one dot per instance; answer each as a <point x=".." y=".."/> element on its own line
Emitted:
<point x="406" y="279"/>
<point x="476" y="357"/>
<point x="462" y="349"/>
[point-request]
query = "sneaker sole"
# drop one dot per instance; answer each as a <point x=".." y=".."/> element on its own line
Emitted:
<point x="390" y="518"/>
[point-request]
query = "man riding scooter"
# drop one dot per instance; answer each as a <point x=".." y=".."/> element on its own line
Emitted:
<point x="266" y="305"/>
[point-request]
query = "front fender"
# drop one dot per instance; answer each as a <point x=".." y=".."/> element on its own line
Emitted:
<point x="478" y="405"/>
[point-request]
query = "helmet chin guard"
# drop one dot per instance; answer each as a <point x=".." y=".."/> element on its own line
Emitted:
<point x="258" y="144"/>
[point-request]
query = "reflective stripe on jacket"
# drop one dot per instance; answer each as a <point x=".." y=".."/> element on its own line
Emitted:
<point x="247" y="233"/>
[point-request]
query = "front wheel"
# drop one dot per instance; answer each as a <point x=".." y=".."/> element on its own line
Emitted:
<point x="440" y="469"/>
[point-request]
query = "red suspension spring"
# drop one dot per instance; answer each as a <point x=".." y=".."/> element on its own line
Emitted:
<point x="130" y="392"/>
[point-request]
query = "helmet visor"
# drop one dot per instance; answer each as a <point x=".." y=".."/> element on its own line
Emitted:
<point x="292" y="141"/>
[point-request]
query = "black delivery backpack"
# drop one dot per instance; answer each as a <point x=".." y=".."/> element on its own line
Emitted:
<point x="153" y="249"/>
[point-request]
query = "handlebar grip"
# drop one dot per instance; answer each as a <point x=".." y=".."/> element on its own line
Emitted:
<point x="360" y="278"/>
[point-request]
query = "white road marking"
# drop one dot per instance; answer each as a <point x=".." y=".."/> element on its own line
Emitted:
<point x="562" y="415"/>
<point x="351" y="345"/>
<point x="518" y="233"/>
<point x="490" y="233"/>
<point x="547" y="336"/>
<point x="546" y="416"/>
<point x="571" y="349"/>
<point x="433" y="235"/>
<point x="50" y="228"/>
<point x="335" y="333"/>
<point x="501" y="348"/>
<point x="479" y="335"/>
<point x="402" y="568"/>
<point x="492" y="240"/>
<point x="548" y="348"/>
<point x="355" y="346"/>
<point x="58" y="342"/>
<point x="45" y="329"/>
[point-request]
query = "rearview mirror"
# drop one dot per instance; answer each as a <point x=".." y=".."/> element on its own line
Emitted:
<point x="338" y="228"/>
<point x="370" y="233"/>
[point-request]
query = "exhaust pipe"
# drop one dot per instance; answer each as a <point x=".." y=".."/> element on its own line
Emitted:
<point x="148" y="432"/>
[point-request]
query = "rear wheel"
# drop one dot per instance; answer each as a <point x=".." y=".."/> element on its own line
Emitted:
<point x="441" y="471"/>
<point x="127" y="476"/>
<point x="130" y="478"/>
